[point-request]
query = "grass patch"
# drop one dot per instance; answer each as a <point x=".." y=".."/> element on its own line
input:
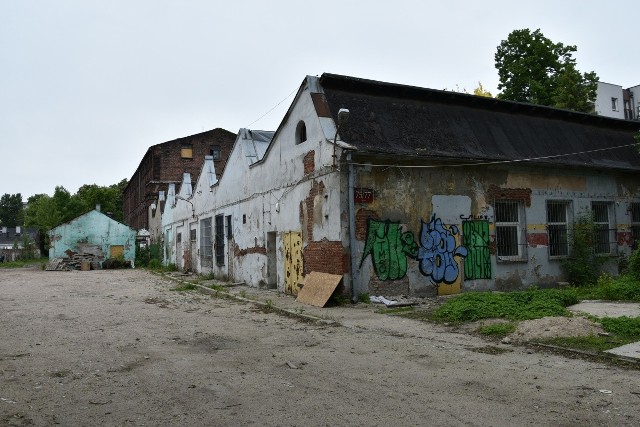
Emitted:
<point x="622" y="330"/>
<point x="396" y="310"/>
<point x="525" y="305"/>
<point x="185" y="287"/>
<point x="24" y="263"/>
<point x="624" y="288"/>
<point x="497" y="329"/>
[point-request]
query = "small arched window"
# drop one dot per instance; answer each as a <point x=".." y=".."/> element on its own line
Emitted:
<point x="301" y="132"/>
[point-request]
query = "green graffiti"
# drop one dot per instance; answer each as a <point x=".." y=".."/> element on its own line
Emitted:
<point x="475" y="237"/>
<point x="389" y="248"/>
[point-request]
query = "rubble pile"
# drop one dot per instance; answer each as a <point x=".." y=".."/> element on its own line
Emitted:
<point x="73" y="262"/>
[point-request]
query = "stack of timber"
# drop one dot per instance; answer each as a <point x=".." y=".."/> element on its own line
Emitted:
<point x="74" y="262"/>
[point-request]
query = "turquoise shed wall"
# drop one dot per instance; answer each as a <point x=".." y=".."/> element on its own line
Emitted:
<point x="94" y="233"/>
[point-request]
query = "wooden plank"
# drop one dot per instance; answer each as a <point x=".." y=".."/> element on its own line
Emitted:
<point x="318" y="288"/>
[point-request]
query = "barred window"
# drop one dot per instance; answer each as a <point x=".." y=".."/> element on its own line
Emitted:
<point x="635" y="223"/>
<point x="557" y="227"/>
<point x="604" y="239"/>
<point x="219" y="239"/>
<point x="206" y="244"/>
<point x="510" y="230"/>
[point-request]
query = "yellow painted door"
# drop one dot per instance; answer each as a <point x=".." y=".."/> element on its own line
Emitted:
<point x="116" y="251"/>
<point x="294" y="273"/>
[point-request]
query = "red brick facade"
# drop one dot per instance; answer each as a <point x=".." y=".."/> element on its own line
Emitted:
<point x="164" y="164"/>
<point x="325" y="257"/>
<point x="309" y="162"/>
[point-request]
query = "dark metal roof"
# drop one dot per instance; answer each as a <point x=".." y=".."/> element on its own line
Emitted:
<point x="392" y="119"/>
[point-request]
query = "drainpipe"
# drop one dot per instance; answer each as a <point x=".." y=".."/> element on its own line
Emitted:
<point x="355" y="286"/>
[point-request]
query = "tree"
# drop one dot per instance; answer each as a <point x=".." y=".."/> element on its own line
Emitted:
<point x="536" y="70"/>
<point x="11" y="210"/>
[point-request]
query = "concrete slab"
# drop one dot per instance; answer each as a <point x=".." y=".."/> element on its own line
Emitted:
<point x="607" y="308"/>
<point x="630" y="350"/>
<point x="612" y="309"/>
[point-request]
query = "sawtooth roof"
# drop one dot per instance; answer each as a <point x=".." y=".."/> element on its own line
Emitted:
<point x="393" y="119"/>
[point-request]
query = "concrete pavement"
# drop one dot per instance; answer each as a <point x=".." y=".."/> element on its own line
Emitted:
<point x="612" y="309"/>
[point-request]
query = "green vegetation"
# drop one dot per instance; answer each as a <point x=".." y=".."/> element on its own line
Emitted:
<point x="583" y="266"/>
<point x="534" y="69"/>
<point x="25" y="263"/>
<point x="364" y="298"/>
<point x="620" y="331"/>
<point x="530" y="304"/>
<point x="497" y="329"/>
<point x="185" y="287"/>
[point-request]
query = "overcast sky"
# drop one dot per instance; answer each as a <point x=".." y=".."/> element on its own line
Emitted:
<point x="86" y="86"/>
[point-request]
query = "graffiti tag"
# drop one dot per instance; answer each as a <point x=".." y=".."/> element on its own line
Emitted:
<point x="477" y="264"/>
<point x="389" y="248"/>
<point x="438" y="250"/>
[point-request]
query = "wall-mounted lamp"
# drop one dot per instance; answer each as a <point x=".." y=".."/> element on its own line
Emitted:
<point x="343" y="117"/>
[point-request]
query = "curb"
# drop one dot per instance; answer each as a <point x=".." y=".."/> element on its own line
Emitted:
<point x="263" y="305"/>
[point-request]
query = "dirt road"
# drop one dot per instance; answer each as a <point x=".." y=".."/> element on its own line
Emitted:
<point x="119" y="348"/>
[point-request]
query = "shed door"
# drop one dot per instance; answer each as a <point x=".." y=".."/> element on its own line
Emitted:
<point x="116" y="251"/>
<point x="294" y="273"/>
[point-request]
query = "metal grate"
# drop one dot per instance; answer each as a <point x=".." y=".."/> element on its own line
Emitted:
<point x="604" y="235"/>
<point x="206" y="245"/>
<point x="510" y="243"/>
<point x="557" y="226"/>
<point x="220" y="239"/>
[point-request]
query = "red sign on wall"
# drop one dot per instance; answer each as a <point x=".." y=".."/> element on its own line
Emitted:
<point x="363" y="195"/>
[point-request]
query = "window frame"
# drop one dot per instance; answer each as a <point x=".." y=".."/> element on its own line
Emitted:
<point x="219" y="240"/>
<point x="614" y="104"/>
<point x="634" y="214"/>
<point x="568" y="217"/>
<point x="206" y="243"/>
<point x="610" y="228"/>
<point x="186" y="151"/>
<point x="520" y="229"/>
<point x="301" y="132"/>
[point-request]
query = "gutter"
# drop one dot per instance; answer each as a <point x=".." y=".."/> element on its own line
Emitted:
<point x="355" y="285"/>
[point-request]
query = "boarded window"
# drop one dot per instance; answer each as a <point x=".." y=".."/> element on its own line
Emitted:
<point x="558" y="227"/>
<point x="186" y="151"/>
<point x="510" y="231"/>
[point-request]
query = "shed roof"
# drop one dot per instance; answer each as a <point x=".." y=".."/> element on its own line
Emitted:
<point x="393" y="119"/>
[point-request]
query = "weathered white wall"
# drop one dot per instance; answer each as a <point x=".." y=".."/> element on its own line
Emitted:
<point x="605" y="92"/>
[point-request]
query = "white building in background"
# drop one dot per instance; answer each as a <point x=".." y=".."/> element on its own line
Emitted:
<point x="614" y="101"/>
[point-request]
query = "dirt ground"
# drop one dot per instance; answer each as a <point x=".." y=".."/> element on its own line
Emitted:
<point x="119" y="348"/>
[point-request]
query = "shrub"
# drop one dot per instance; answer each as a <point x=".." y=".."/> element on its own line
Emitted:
<point x="583" y="265"/>
<point x="633" y="265"/>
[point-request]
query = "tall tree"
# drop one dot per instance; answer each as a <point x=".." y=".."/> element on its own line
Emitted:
<point x="11" y="210"/>
<point x="534" y="69"/>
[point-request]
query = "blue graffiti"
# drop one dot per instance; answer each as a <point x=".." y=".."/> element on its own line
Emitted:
<point x="438" y="251"/>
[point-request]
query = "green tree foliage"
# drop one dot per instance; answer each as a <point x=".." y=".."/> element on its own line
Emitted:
<point x="45" y="212"/>
<point x="536" y="70"/>
<point x="11" y="210"/>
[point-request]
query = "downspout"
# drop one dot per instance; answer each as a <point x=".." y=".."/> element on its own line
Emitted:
<point x="355" y="286"/>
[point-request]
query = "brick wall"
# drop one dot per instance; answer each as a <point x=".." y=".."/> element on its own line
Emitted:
<point x="163" y="164"/>
<point x="309" y="162"/>
<point x="497" y="193"/>
<point x="362" y="215"/>
<point x="325" y="257"/>
<point x="308" y="204"/>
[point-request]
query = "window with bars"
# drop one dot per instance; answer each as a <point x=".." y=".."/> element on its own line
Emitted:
<point x="220" y="239"/>
<point x="604" y="239"/>
<point x="510" y="231"/>
<point x="557" y="227"/>
<point x="634" y="209"/>
<point x="206" y="244"/>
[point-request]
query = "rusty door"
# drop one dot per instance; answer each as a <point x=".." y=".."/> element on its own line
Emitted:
<point x="293" y="267"/>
